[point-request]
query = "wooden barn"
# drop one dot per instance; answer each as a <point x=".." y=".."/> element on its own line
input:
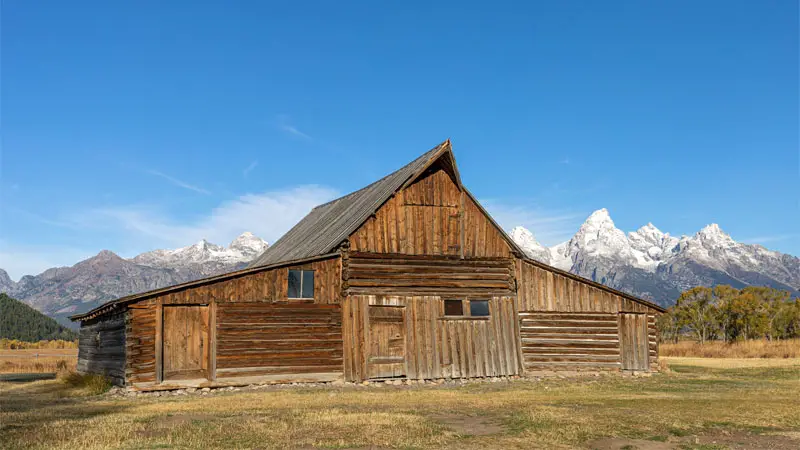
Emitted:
<point x="408" y="277"/>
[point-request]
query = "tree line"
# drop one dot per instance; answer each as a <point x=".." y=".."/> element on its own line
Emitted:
<point x="726" y="313"/>
<point x="21" y="322"/>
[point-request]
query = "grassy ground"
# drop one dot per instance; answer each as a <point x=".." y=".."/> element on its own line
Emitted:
<point x="759" y="348"/>
<point x="692" y="406"/>
<point x="38" y="360"/>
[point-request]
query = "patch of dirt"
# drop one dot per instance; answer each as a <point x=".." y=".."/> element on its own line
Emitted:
<point x="163" y="425"/>
<point x="736" y="440"/>
<point x="614" y="443"/>
<point x="469" y="425"/>
<point x="745" y="440"/>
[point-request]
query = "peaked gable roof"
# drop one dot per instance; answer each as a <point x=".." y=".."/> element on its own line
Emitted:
<point x="329" y="224"/>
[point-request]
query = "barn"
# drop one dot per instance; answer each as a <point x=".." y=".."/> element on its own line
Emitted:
<point x="406" y="278"/>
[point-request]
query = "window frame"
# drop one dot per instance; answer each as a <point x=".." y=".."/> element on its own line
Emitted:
<point x="303" y="274"/>
<point x="466" y="309"/>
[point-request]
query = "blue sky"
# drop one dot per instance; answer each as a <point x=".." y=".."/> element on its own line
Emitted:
<point x="143" y="125"/>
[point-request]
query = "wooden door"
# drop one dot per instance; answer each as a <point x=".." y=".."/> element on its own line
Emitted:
<point x="633" y="342"/>
<point x="387" y="342"/>
<point x="185" y="338"/>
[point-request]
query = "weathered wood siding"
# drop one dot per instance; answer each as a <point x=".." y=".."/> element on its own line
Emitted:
<point x="431" y="217"/>
<point x="652" y="341"/>
<point x="260" y="291"/>
<point x="376" y="273"/>
<point x="569" y="341"/>
<point x="436" y="346"/>
<point x="482" y="239"/>
<point x="269" y="285"/>
<point x="539" y="289"/>
<point x="262" y="338"/>
<point x="141" y="342"/>
<point x="569" y="324"/>
<point x="101" y="348"/>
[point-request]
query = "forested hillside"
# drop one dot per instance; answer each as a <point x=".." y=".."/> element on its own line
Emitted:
<point x="20" y="321"/>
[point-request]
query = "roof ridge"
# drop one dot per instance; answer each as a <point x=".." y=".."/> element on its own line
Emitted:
<point x="436" y="149"/>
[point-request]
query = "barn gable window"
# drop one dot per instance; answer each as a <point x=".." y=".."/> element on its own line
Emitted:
<point x="453" y="308"/>
<point x="301" y="284"/>
<point x="473" y="309"/>
<point x="479" y="308"/>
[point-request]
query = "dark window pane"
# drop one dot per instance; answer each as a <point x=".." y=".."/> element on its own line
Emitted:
<point x="453" y="308"/>
<point x="294" y="283"/>
<point x="308" y="284"/>
<point x="479" y="308"/>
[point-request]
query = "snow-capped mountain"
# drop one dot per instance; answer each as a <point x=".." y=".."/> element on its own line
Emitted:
<point x="652" y="264"/>
<point x="63" y="291"/>
<point x="205" y="258"/>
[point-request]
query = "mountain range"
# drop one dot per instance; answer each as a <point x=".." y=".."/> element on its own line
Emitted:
<point x="657" y="266"/>
<point x="63" y="291"/>
<point x="647" y="263"/>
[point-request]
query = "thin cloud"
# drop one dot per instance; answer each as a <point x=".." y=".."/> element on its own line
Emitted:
<point x="770" y="238"/>
<point x="292" y="130"/>
<point x="285" y="126"/>
<point x="550" y="227"/>
<point x="268" y="215"/>
<point x="249" y="168"/>
<point x="178" y="182"/>
<point x="564" y="161"/>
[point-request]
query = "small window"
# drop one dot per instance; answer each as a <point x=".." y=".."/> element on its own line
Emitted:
<point x="478" y="308"/>
<point x="301" y="284"/>
<point x="453" y="308"/>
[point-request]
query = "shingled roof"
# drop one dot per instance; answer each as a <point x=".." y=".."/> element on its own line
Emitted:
<point x="329" y="224"/>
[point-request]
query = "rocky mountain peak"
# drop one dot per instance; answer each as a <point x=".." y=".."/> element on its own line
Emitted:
<point x="526" y="240"/>
<point x="248" y="243"/>
<point x="6" y="283"/>
<point x="713" y="234"/>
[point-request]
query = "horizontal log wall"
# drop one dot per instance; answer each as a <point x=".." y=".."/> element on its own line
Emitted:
<point x="101" y="347"/>
<point x="437" y="347"/>
<point x="652" y="341"/>
<point x="376" y="273"/>
<point x="261" y="339"/>
<point x="569" y="341"/>
<point x="431" y="217"/>
<point x="141" y="342"/>
<point x="540" y="289"/>
<point x="267" y="286"/>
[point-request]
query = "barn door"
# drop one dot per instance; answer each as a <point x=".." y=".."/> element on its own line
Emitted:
<point x="633" y="341"/>
<point x="387" y="342"/>
<point x="185" y="338"/>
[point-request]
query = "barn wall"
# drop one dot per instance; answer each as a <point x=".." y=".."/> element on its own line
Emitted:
<point x="570" y="340"/>
<point x="268" y="339"/>
<point x="269" y="285"/>
<point x="568" y="324"/>
<point x="435" y="346"/>
<point x="101" y="348"/>
<point x="376" y="273"/>
<point x="481" y="237"/>
<point x="141" y="342"/>
<point x="431" y="217"/>
<point x="253" y="306"/>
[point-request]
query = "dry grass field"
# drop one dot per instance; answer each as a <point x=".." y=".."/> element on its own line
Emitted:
<point x="38" y="360"/>
<point x="691" y="406"/>
<point x="789" y="348"/>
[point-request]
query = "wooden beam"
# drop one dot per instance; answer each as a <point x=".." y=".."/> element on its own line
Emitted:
<point x="212" y="339"/>
<point x="159" y="342"/>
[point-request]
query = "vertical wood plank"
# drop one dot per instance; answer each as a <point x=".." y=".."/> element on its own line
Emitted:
<point x="159" y="342"/>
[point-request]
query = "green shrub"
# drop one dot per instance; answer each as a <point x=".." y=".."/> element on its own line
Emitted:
<point x="92" y="384"/>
